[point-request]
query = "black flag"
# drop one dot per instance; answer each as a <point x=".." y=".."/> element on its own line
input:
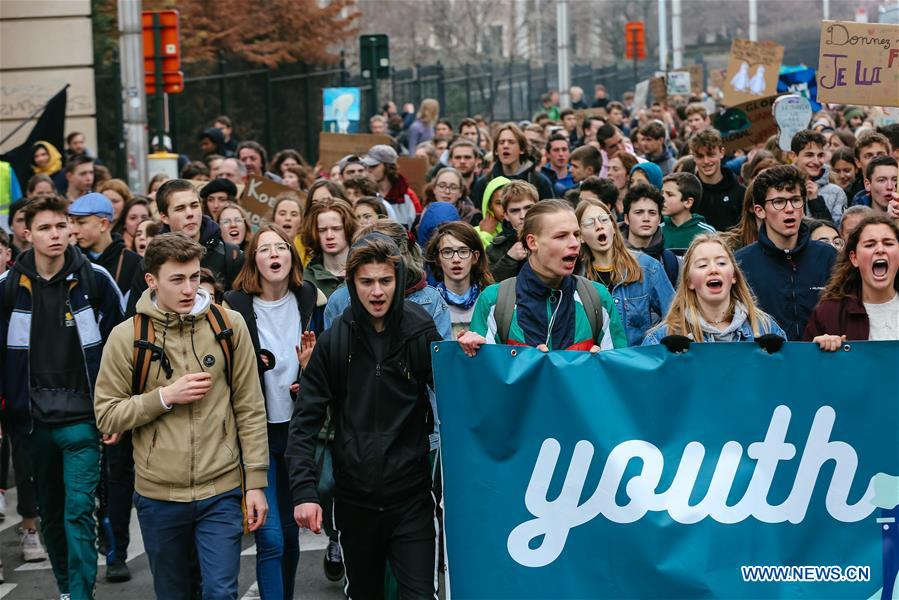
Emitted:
<point x="50" y="127"/>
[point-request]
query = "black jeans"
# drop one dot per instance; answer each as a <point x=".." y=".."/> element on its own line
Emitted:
<point x="120" y="491"/>
<point x="405" y="534"/>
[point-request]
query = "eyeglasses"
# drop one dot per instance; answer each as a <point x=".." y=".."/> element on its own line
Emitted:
<point x="836" y="242"/>
<point x="447" y="187"/>
<point x="273" y="248"/>
<point x="235" y="221"/>
<point x="781" y="203"/>
<point x="588" y="223"/>
<point x="448" y="253"/>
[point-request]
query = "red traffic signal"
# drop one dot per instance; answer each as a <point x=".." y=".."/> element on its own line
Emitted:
<point x="635" y="40"/>
<point x="169" y="50"/>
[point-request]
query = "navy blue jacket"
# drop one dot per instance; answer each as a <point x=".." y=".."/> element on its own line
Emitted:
<point x="787" y="283"/>
<point x="16" y="328"/>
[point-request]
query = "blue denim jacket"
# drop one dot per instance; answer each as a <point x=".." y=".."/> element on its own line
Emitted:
<point x="644" y="303"/>
<point x="743" y="332"/>
<point x="428" y="298"/>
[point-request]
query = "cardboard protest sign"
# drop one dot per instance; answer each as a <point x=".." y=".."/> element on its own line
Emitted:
<point x="334" y="146"/>
<point x="658" y="90"/>
<point x="679" y="83"/>
<point x="259" y="195"/>
<point x="792" y="113"/>
<point x="859" y="63"/>
<point x="641" y="95"/>
<point x="415" y="170"/>
<point x="752" y="71"/>
<point x="583" y="113"/>
<point x="747" y="124"/>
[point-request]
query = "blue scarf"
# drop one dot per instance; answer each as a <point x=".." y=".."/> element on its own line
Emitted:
<point x="463" y="302"/>
<point x="531" y="299"/>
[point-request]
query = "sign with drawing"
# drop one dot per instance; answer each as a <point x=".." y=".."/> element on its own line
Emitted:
<point x="752" y="71"/>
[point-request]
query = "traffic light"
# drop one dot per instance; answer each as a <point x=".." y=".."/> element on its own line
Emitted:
<point x="635" y="40"/>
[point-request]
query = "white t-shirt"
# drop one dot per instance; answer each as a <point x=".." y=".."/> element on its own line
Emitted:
<point x="279" y="333"/>
<point x="883" y="320"/>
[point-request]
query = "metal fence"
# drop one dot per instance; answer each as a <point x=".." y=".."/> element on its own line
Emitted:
<point x="282" y="108"/>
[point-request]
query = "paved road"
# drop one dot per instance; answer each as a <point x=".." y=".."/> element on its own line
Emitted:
<point x="33" y="581"/>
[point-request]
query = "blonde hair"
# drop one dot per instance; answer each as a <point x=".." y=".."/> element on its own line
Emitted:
<point x="429" y="111"/>
<point x="625" y="268"/>
<point x="684" y="317"/>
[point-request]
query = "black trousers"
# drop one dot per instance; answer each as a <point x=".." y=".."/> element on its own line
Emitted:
<point x="120" y="491"/>
<point x="405" y="534"/>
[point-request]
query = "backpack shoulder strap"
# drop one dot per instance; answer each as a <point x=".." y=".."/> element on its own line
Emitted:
<point x="144" y="347"/>
<point x="505" y="305"/>
<point x="307" y="300"/>
<point x="592" y="306"/>
<point x="224" y="335"/>
<point x="340" y="358"/>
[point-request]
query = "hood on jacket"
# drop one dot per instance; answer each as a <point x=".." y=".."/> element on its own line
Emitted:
<point x="395" y="310"/>
<point x="73" y="260"/>
<point x="147" y="305"/>
<point x="217" y="137"/>
<point x="728" y="180"/>
<point x="433" y="217"/>
<point x="210" y="232"/>
<point x="824" y="178"/>
<point x="493" y="185"/>
<point x="652" y="171"/>
<point x="113" y="249"/>
<point x="656" y="244"/>
<point x="55" y="162"/>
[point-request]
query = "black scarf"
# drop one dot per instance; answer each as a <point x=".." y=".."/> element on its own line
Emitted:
<point x="531" y="303"/>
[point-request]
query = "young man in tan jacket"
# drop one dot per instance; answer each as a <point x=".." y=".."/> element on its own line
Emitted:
<point x="193" y="432"/>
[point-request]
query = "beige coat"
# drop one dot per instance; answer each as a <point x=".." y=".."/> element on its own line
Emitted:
<point x="189" y="452"/>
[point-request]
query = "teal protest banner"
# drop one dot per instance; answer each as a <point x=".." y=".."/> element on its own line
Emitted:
<point x="723" y="472"/>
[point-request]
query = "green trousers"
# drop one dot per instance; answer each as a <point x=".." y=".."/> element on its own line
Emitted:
<point x="66" y="463"/>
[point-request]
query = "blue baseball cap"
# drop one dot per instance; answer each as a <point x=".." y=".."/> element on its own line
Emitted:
<point x="92" y="204"/>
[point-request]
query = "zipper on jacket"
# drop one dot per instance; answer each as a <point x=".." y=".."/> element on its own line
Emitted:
<point x="377" y="369"/>
<point x="90" y="387"/>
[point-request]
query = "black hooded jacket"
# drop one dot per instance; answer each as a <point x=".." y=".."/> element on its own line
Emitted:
<point x="218" y="138"/>
<point x="123" y="264"/>
<point x="721" y="203"/>
<point x="378" y="401"/>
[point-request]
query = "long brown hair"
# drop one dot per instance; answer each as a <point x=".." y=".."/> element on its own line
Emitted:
<point x="625" y="268"/>
<point x="846" y="280"/>
<point x="310" y="222"/>
<point x="249" y="280"/>
<point x="468" y="235"/>
<point x="747" y="230"/>
<point x="684" y="316"/>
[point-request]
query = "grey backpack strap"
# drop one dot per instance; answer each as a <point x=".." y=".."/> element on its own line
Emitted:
<point x="592" y="306"/>
<point x="505" y="306"/>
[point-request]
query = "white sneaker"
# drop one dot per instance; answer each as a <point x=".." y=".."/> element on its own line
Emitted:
<point x="65" y="597"/>
<point x="2" y="505"/>
<point x="32" y="550"/>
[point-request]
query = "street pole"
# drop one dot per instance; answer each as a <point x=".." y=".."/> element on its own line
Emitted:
<point x="562" y="37"/>
<point x="677" y="40"/>
<point x="373" y="42"/>
<point x="663" y="37"/>
<point x="825" y="8"/>
<point x="158" y="97"/>
<point x="753" y="21"/>
<point x="134" y="98"/>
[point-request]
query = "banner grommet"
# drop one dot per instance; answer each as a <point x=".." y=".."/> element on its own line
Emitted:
<point x="513" y="352"/>
<point x="847" y="347"/>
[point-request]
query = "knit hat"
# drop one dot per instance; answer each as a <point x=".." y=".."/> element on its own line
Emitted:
<point x="853" y="111"/>
<point x="652" y="171"/>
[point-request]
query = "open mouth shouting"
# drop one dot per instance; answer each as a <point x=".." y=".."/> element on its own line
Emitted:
<point x="275" y="267"/>
<point x="569" y="261"/>
<point x="880" y="269"/>
<point x="791" y="222"/>
<point x="715" y="285"/>
<point x="378" y="307"/>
